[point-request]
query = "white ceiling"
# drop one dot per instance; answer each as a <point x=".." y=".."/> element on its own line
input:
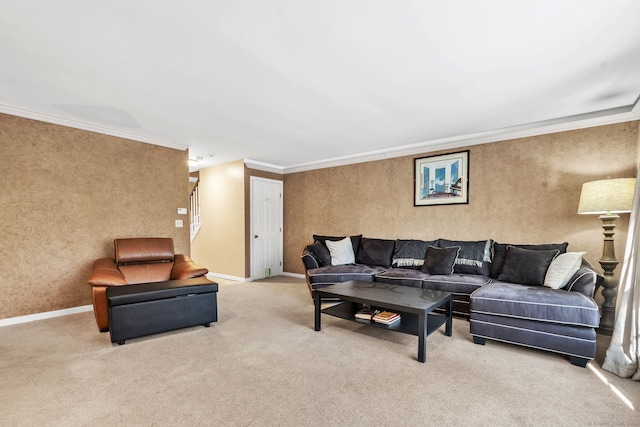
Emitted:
<point x="297" y="84"/>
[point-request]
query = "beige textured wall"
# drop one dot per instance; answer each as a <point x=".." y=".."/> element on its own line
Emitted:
<point x="65" y="194"/>
<point x="220" y="244"/>
<point x="521" y="191"/>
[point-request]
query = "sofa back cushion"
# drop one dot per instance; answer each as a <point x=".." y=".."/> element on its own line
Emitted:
<point x="411" y="253"/>
<point x="474" y="256"/>
<point x="500" y="251"/>
<point x="375" y="252"/>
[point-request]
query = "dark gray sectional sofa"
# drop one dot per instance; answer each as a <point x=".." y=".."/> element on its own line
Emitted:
<point x="498" y="286"/>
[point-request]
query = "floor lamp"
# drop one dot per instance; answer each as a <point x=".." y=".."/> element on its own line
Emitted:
<point x="607" y="198"/>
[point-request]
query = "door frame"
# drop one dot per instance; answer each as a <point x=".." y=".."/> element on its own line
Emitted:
<point x="252" y="180"/>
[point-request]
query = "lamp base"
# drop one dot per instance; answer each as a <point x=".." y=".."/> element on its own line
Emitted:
<point x="609" y="285"/>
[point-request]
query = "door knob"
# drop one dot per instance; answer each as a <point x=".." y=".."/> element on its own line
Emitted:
<point x="255" y="236"/>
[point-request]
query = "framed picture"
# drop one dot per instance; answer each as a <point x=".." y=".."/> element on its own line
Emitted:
<point x="441" y="180"/>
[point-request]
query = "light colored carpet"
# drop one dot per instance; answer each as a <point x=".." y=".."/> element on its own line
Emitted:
<point x="263" y="364"/>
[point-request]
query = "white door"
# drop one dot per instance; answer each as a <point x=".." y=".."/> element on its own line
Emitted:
<point x="266" y="228"/>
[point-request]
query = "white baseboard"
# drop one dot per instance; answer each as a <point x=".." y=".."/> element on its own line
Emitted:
<point x="296" y="275"/>
<point x="211" y="275"/>
<point x="45" y="315"/>
<point x="85" y="308"/>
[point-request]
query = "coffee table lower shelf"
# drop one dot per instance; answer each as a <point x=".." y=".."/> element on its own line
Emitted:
<point x="422" y="311"/>
<point x="408" y="323"/>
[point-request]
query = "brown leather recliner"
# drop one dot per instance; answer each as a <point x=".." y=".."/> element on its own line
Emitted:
<point x="137" y="260"/>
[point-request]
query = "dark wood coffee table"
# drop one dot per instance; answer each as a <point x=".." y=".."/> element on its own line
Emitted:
<point x="416" y="307"/>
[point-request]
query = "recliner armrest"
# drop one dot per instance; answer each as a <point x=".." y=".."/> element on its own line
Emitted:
<point x="105" y="273"/>
<point x="185" y="268"/>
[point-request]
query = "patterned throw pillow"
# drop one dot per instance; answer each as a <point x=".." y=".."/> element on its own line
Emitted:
<point x="411" y="253"/>
<point x="474" y="257"/>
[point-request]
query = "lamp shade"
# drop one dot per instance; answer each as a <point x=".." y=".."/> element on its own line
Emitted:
<point x="607" y="196"/>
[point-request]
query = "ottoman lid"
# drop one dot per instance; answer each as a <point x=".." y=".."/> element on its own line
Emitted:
<point x="130" y="294"/>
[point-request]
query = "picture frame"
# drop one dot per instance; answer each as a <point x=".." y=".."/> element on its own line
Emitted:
<point x="441" y="179"/>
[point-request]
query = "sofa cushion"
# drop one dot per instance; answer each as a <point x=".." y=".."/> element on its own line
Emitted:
<point x="375" y="252"/>
<point x="474" y="257"/>
<point x="525" y="266"/>
<point x="411" y="253"/>
<point x="440" y="260"/>
<point x="341" y="251"/>
<point x="562" y="268"/>
<point x="355" y="240"/>
<point x="402" y="276"/>
<point x="500" y="251"/>
<point x="343" y="273"/>
<point x="535" y="303"/>
<point x="321" y="253"/>
<point x="456" y="283"/>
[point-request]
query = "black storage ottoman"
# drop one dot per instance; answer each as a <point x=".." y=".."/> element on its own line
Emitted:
<point x="150" y="308"/>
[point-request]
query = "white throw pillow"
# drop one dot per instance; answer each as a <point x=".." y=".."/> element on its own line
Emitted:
<point x="562" y="268"/>
<point x="341" y="251"/>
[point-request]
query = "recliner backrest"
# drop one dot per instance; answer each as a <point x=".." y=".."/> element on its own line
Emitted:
<point x="144" y="260"/>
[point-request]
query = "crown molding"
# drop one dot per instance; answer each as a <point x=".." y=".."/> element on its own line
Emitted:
<point x="77" y="124"/>
<point x="266" y="167"/>
<point x="580" y="121"/>
<point x="636" y="108"/>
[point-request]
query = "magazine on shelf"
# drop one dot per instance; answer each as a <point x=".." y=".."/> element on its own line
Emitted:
<point x="386" y="317"/>
<point x="366" y="313"/>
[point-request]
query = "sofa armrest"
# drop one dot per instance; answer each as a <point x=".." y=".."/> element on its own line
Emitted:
<point x="185" y="268"/>
<point x="585" y="281"/>
<point x="309" y="260"/>
<point x="105" y="273"/>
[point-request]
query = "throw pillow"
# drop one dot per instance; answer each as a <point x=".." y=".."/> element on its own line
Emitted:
<point x="562" y="268"/>
<point x="440" y="260"/>
<point x="341" y="251"/>
<point x="375" y="252"/>
<point x="320" y="252"/>
<point x="500" y="251"/>
<point x="411" y="253"/>
<point x="526" y="266"/>
<point x="474" y="257"/>
<point x="355" y="240"/>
